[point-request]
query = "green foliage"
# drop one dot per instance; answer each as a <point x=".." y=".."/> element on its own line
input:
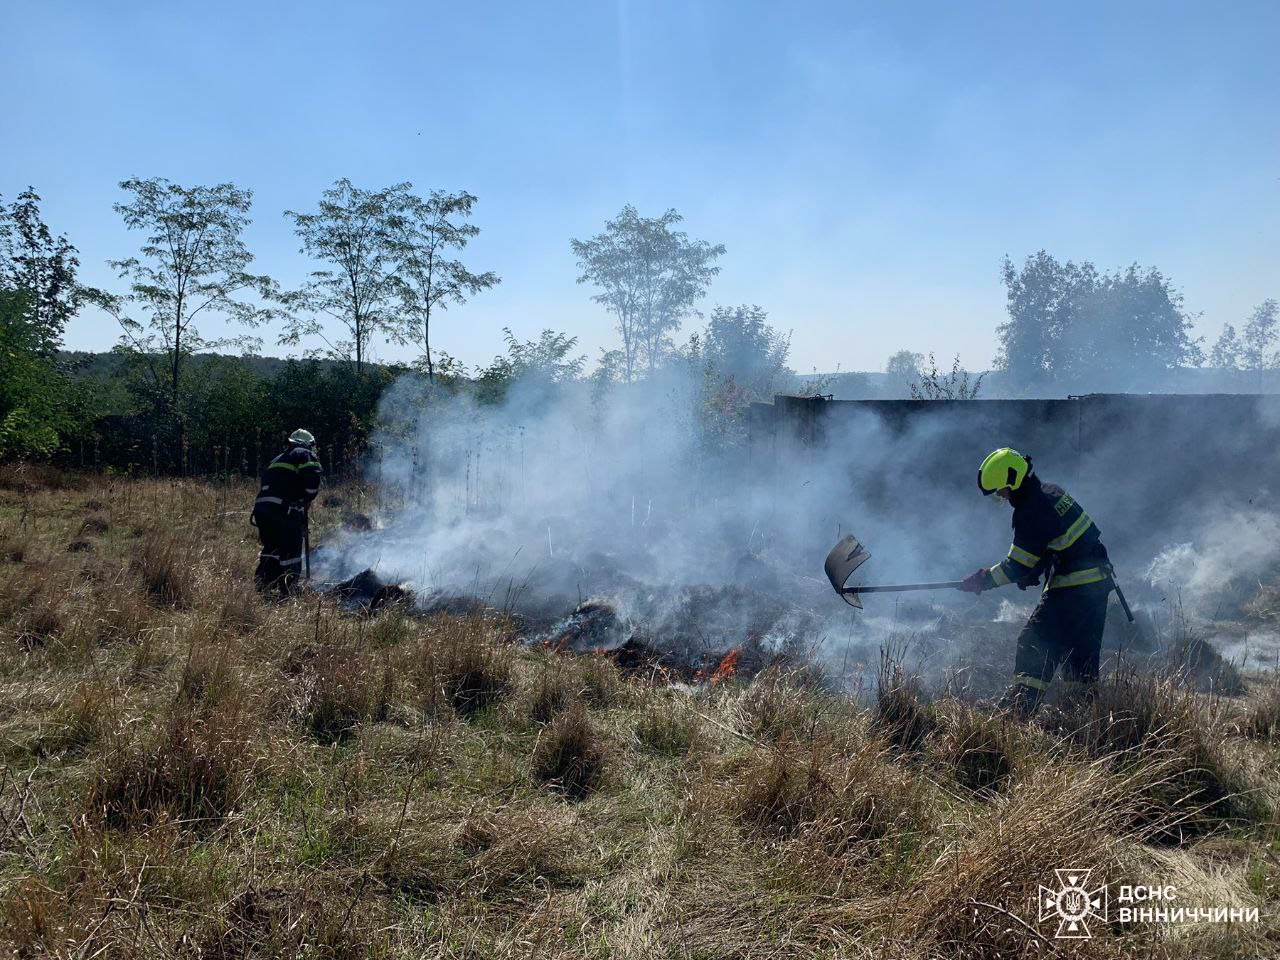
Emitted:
<point x="740" y="345"/>
<point x="354" y="232"/>
<point x="32" y="260"/>
<point x="1225" y="354"/>
<point x="903" y="370"/>
<point x="1257" y="351"/>
<point x="1071" y="325"/>
<point x="193" y="261"/>
<point x="649" y="277"/>
<point x="546" y="361"/>
<point x="426" y="231"/>
<point x="37" y="403"/>
<point x="956" y="385"/>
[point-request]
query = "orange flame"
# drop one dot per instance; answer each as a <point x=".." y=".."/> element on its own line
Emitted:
<point x="727" y="667"/>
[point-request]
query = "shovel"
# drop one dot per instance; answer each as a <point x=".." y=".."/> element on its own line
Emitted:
<point x="848" y="555"/>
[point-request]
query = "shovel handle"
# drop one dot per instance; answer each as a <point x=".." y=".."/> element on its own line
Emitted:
<point x="900" y="587"/>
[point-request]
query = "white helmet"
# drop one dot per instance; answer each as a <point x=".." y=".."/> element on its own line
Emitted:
<point x="303" y="438"/>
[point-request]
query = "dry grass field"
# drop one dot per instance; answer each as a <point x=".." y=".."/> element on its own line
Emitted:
<point x="191" y="772"/>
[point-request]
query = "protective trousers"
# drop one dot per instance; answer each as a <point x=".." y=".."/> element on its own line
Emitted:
<point x="1064" y="631"/>
<point x="280" y="562"/>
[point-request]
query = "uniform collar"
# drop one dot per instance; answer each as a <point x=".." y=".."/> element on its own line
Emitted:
<point x="1028" y="488"/>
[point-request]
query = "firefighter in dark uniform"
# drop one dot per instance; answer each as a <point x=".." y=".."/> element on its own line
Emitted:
<point x="289" y="484"/>
<point x="1052" y="538"/>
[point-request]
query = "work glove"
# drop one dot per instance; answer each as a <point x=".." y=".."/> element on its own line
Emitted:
<point x="976" y="582"/>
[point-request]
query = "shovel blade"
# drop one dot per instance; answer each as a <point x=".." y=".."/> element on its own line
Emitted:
<point x="845" y="557"/>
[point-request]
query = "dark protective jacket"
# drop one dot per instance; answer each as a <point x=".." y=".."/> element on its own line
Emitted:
<point x="289" y="484"/>
<point x="1051" y="535"/>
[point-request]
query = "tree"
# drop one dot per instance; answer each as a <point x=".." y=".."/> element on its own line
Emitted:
<point x="740" y="344"/>
<point x="38" y="405"/>
<point x="1042" y="299"/>
<point x="428" y="229"/>
<point x="1225" y="354"/>
<point x="41" y="265"/>
<point x="546" y="361"/>
<point x="902" y="370"/>
<point x="193" y="262"/>
<point x="356" y="232"/>
<point x="1070" y="324"/>
<point x="1260" y="336"/>
<point x="649" y="277"/>
<point x="1127" y="331"/>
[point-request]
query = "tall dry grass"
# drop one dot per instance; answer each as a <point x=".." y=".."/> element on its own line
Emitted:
<point x="186" y="771"/>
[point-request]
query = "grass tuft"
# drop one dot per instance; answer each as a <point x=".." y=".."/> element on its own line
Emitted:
<point x="981" y="751"/>
<point x="94" y="526"/>
<point x="166" y="564"/>
<point x="1156" y="727"/>
<point x="667" y="727"/>
<point x="196" y="771"/>
<point x="570" y="755"/>
<point x="903" y="716"/>
<point x="460" y="668"/>
<point x="1261" y="719"/>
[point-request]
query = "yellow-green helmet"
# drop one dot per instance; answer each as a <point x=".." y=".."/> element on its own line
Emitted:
<point x="1005" y="467"/>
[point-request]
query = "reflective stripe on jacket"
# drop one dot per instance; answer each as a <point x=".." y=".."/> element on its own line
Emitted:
<point x="291" y="481"/>
<point x="1051" y="532"/>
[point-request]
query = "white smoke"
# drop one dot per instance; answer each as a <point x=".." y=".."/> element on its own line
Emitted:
<point x="643" y="497"/>
<point x="1222" y="566"/>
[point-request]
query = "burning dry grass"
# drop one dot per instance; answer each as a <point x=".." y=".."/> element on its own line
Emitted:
<point x="190" y="772"/>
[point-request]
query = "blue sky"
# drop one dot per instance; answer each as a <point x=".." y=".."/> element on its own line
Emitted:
<point x="866" y="165"/>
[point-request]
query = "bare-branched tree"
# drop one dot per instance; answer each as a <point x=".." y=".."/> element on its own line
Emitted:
<point x="355" y="233"/>
<point x="649" y="277"/>
<point x="428" y="229"/>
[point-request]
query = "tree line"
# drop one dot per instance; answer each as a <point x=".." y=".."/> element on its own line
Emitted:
<point x="388" y="261"/>
<point x="1074" y="327"/>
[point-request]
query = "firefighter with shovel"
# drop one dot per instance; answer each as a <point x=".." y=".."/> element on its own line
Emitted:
<point x="1053" y="538"/>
